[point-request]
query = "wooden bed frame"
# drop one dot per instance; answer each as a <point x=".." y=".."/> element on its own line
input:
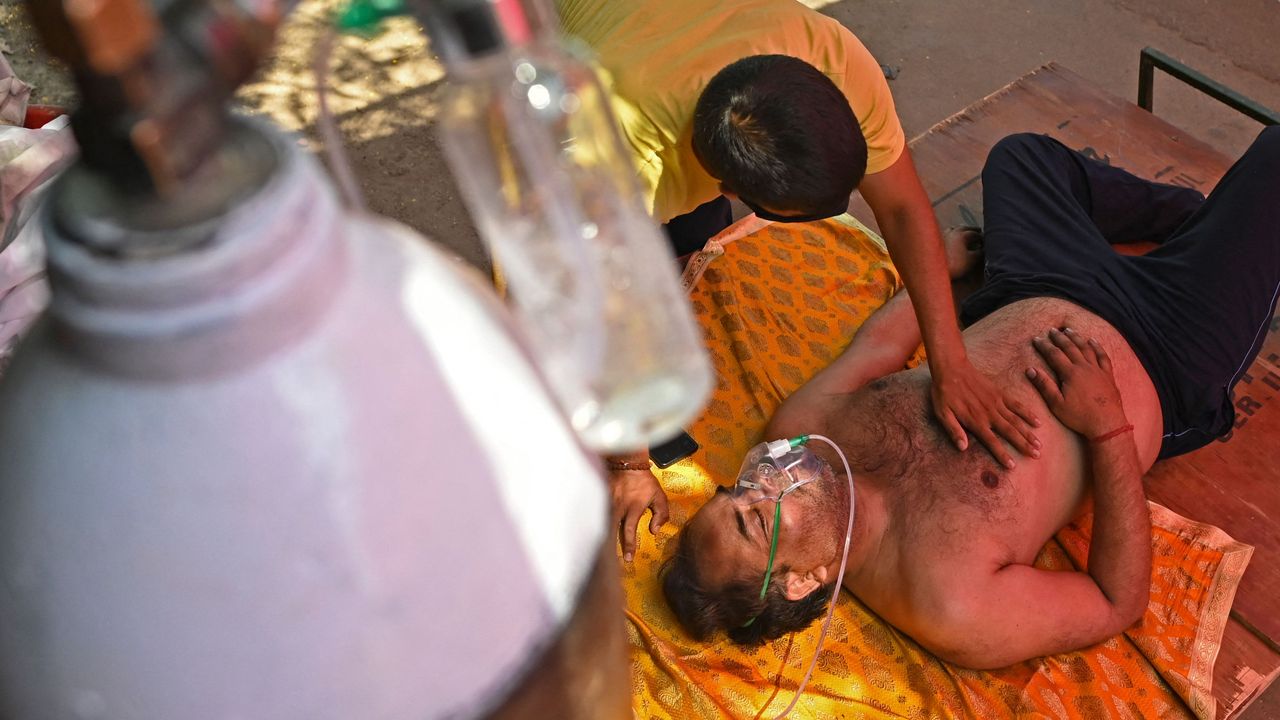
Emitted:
<point x="1233" y="484"/>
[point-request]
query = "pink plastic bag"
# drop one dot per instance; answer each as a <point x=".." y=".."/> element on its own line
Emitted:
<point x="14" y="95"/>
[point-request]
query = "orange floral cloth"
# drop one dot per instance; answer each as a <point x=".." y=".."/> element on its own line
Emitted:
<point x="777" y="304"/>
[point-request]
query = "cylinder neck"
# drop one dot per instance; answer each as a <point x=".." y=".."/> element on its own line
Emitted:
<point x="94" y="210"/>
<point x="213" y="295"/>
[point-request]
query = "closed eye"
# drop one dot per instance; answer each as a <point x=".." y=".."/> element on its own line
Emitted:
<point x="763" y="528"/>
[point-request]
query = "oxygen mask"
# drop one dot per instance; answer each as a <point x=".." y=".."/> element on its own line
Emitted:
<point x="773" y="470"/>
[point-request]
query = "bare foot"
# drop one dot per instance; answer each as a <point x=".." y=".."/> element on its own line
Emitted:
<point x="963" y="247"/>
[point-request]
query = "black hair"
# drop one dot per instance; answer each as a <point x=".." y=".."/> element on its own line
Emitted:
<point x="777" y="132"/>
<point x="702" y="610"/>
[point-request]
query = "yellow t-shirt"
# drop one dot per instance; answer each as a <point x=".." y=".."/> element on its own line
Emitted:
<point x="658" y="55"/>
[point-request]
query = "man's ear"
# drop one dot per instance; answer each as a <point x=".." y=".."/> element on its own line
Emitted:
<point x="797" y="585"/>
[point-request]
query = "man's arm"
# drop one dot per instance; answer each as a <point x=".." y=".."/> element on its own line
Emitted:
<point x="882" y="345"/>
<point x="633" y="489"/>
<point x="1086" y="400"/>
<point x="1019" y="612"/>
<point x="963" y="398"/>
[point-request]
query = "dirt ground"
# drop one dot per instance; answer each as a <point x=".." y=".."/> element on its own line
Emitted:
<point x="949" y="54"/>
<point x="22" y="49"/>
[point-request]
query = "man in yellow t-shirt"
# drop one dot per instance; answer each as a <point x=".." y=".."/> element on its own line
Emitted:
<point x="659" y="55"/>
<point x="782" y="107"/>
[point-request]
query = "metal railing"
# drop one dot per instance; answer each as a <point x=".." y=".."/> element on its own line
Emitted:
<point x="1152" y="59"/>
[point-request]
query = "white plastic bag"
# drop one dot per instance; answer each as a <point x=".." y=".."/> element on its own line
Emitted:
<point x="29" y="159"/>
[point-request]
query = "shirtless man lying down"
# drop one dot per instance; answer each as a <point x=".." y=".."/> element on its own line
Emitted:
<point x="1129" y="359"/>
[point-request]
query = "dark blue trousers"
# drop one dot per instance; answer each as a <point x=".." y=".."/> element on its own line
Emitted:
<point x="1195" y="310"/>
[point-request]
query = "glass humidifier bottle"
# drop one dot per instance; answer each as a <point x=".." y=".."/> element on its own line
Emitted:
<point x="530" y="136"/>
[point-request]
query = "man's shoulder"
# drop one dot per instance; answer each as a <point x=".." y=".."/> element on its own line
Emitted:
<point x="705" y="35"/>
<point x="808" y="415"/>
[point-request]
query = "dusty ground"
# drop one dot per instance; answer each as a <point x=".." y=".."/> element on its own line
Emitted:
<point x="956" y="52"/>
<point x="384" y="93"/>
<point x="949" y="54"/>
<point x="21" y="48"/>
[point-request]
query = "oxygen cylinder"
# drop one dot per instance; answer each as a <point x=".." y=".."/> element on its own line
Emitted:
<point x="288" y="463"/>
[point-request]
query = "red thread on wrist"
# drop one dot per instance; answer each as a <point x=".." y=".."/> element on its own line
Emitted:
<point x="621" y="465"/>
<point x="1114" y="433"/>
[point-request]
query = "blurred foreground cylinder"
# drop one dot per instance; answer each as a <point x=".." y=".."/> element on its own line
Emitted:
<point x="295" y="469"/>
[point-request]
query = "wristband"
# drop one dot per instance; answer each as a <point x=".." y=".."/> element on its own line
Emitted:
<point x="621" y="465"/>
<point x="1114" y="433"/>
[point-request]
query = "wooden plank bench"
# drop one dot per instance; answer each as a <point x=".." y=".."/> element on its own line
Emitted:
<point x="1233" y="484"/>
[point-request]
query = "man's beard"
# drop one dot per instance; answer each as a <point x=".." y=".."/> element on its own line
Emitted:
<point x="826" y="509"/>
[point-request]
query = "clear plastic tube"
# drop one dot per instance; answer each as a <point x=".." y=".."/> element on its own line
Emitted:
<point x="835" y="594"/>
<point x="334" y="148"/>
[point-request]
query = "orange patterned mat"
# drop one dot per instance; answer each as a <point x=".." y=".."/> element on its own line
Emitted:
<point x="777" y="304"/>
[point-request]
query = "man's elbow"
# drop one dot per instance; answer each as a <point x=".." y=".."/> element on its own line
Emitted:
<point x="1128" y="605"/>
<point x="1129" y="613"/>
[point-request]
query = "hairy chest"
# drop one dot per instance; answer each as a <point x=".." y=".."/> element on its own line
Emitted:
<point x="940" y="501"/>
